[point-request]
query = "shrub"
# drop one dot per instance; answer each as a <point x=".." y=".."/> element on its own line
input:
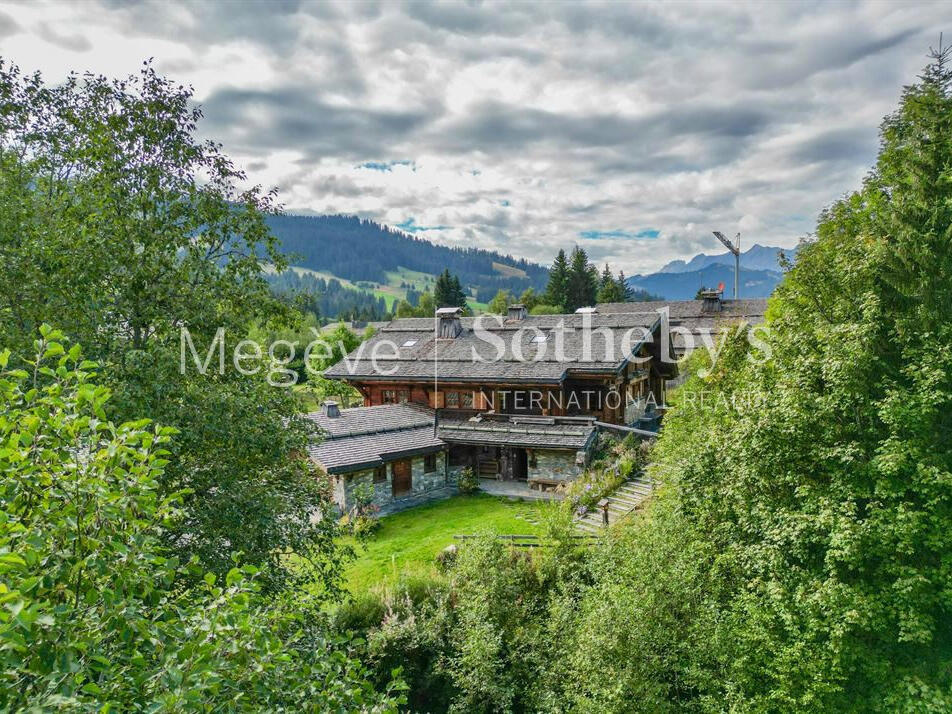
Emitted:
<point x="97" y="614"/>
<point x="363" y="514"/>
<point x="591" y="487"/>
<point x="468" y="481"/>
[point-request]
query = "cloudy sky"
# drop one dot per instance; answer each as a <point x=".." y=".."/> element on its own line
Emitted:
<point x="630" y="129"/>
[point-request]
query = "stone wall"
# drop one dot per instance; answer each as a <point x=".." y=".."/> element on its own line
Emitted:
<point x="421" y="482"/>
<point x="555" y="464"/>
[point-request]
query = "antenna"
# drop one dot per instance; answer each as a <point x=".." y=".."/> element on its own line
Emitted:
<point x="735" y="249"/>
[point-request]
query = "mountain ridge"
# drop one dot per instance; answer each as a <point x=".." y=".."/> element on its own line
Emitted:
<point x="757" y="257"/>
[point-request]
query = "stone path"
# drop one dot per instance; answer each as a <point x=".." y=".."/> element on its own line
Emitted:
<point x="623" y="500"/>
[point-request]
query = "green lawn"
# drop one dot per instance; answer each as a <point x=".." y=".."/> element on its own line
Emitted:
<point x="409" y="541"/>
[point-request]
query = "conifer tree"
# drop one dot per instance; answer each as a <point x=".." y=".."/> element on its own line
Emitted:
<point x="624" y="289"/>
<point x="555" y="293"/>
<point x="582" y="283"/>
<point x="608" y="288"/>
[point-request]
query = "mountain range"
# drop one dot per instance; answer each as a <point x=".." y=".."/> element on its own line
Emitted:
<point x="757" y="257"/>
<point x="760" y="272"/>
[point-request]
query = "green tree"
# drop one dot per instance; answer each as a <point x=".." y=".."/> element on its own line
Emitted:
<point x="120" y="224"/>
<point x="97" y="613"/>
<point x="556" y="291"/>
<point x="813" y="486"/>
<point x="624" y="289"/>
<point x="582" y="282"/>
<point x="529" y="298"/>
<point x="448" y="292"/>
<point x="609" y="289"/>
<point x="500" y="303"/>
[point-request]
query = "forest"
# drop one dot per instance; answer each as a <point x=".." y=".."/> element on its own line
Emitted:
<point x="351" y="248"/>
<point x="327" y="298"/>
<point x="158" y="550"/>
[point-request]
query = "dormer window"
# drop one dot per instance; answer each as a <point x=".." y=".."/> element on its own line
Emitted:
<point x="409" y="343"/>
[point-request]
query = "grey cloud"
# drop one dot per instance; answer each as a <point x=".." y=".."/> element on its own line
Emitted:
<point x="76" y="43"/>
<point x="837" y="145"/>
<point x="496" y="125"/>
<point x="293" y="117"/>
<point x="8" y="26"/>
<point x="342" y="186"/>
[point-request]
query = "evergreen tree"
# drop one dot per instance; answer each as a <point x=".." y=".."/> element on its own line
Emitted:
<point x="582" y="283"/>
<point x="457" y="294"/>
<point x="442" y="293"/>
<point x="555" y="292"/>
<point x="608" y="288"/>
<point x="624" y="288"/>
<point x="448" y="292"/>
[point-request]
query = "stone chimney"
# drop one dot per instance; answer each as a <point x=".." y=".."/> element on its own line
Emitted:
<point x="517" y="312"/>
<point x="449" y="324"/>
<point x="330" y="410"/>
<point x="711" y="301"/>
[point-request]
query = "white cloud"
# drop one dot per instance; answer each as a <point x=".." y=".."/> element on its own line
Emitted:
<point x="527" y="125"/>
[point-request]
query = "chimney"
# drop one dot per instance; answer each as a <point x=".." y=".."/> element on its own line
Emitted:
<point x="517" y="312"/>
<point x="449" y="325"/>
<point x="711" y="301"/>
<point x="330" y="410"/>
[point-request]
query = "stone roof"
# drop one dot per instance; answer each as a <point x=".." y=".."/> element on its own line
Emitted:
<point x="365" y="437"/>
<point x="750" y="308"/>
<point x="532" y="432"/>
<point x="406" y="348"/>
<point x="692" y="315"/>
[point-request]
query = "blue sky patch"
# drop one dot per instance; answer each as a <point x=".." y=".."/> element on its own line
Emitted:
<point x="600" y="235"/>
<point x="410" y="226"/>
<point x="386" y="165"/>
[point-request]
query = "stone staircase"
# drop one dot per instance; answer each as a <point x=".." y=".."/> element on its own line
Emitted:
<point x="622" y="501"/>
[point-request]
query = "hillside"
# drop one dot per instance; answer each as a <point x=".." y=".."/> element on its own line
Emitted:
<point x="374" y="256"/>
<point x="684" y="285"/>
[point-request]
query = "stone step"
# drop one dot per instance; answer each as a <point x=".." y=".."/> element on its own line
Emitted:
<point x="633" y="498"/>
<point x="634" y="489"/>
<point x="627" y="498"/>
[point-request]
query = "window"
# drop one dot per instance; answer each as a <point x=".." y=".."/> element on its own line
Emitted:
<point x="429" y="463"/>
<point x="452" y="400"/>
<point x="389" y="396"/>
<point x="380" y="474"/>
<point x="403" y="396"/>
<point x="409" y="343"/>
<point x="467" y="400"/>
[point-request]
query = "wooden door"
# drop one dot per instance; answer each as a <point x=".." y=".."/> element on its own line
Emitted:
<point x="402" y="477"/>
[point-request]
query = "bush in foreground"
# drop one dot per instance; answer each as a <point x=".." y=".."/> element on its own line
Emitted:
<point x="95" y="613"/>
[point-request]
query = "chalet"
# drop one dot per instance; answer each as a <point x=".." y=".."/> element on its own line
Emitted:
<point x="519" y="397"/>
<point x="390" y="449"/>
